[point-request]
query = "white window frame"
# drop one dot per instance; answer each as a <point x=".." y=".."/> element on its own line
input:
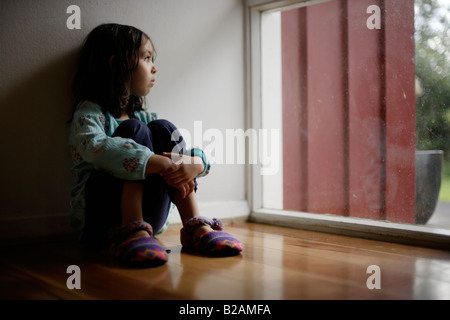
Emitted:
<point x="365" y="228"/>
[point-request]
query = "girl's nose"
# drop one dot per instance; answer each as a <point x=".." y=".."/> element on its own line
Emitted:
<point x="154" y="70"/>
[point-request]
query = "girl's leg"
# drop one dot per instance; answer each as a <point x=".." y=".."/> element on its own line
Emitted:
<point x="131" y="206"/>
<point x="132" y="191"/>
<point x="131" y="202"/>
<point x="165" y="140"/>
<point x="149" y="200"/>
<point x="133" y="242"/>
<point x="188" y="208"/>
<point x="205" y="233"/>
<point x="102" y="196"/>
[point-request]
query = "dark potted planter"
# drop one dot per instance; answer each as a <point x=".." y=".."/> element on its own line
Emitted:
<point x="428" y="183"/>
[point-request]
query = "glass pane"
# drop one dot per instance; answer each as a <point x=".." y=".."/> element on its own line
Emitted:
<point x="355" y="99"/>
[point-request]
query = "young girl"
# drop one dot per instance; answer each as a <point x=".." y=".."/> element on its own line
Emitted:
<point x="130" y="167"/>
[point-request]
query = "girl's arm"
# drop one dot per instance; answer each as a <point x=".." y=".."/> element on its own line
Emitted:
<point x="158" y="164"/>
<point x="170" y="165"/>
<point x="186" y="169"/>
<point x="177" y="174"/>
<point x="123" y="158"/>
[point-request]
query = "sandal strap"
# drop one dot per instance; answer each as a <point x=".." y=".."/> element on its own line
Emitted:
<point x="119" y="234"/>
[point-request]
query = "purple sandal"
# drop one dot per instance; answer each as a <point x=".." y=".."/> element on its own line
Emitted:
<point x="216" y="242"/>
<point x="145" y="251"/>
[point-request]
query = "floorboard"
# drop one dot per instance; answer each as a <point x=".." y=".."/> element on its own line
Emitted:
<point x="277" y="264"/>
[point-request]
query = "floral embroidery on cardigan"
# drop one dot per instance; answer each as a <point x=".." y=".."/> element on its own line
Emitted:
<point x="131" y="164"/>
<point x="129" y="145"/>
<point x="76" y="158"/>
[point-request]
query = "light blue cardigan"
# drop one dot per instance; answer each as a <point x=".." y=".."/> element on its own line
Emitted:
<point x="93" y="147"/>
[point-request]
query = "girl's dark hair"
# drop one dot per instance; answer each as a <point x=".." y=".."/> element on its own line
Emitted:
<point x="108" y="83"/>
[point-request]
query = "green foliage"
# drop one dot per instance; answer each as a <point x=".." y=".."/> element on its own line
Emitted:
<point x="444" y="194"/>
<point x="433" y="74"/>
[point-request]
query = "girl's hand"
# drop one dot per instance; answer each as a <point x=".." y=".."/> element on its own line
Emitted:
<point x="186" y="170"/>
<point x="179" y="174"/>
<point x="186" y="189"/>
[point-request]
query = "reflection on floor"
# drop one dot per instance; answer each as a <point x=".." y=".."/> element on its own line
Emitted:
<point x="278" y="263"/>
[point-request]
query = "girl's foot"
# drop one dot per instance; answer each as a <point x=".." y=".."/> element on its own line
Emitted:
<point x="201" y="230"/>
<point x="134" y="244"/>
<point x="138" y="235"/>
<point x="206" y="236"/>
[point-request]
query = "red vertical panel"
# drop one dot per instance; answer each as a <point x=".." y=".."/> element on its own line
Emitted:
<point x="293" y="44"/>
<point x="400" y="110"/>
<point x="365" y="117"/>
<point x="349" y="154"/>
<point x="326" y="165"/>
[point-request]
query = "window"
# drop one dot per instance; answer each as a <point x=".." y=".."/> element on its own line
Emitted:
<point x="337" y="86"/>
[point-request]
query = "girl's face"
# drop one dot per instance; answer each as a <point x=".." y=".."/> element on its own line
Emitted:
<point x="143" y="77"/>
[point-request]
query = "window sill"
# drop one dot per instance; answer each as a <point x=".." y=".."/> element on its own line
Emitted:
<point x="418" y="235"/>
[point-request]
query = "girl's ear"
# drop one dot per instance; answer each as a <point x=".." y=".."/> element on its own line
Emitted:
<point x="110" y="61"/>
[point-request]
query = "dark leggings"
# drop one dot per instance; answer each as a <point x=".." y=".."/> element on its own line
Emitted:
<point x="103" y="191"/>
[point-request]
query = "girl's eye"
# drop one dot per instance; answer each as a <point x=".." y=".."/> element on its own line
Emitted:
<point x="148" y="58"/>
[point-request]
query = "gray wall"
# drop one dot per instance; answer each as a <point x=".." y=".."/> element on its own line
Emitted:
<point x="200" y="46"/>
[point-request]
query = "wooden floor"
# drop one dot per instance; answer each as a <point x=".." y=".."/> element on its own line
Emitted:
<point x="278" y="263"/>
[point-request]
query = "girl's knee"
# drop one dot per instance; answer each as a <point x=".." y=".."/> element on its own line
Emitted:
<point x="130" y="128"/>
<point x="136" y="130"/>
<point x="162" y="124"/>
<point x="168" y="137"/>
